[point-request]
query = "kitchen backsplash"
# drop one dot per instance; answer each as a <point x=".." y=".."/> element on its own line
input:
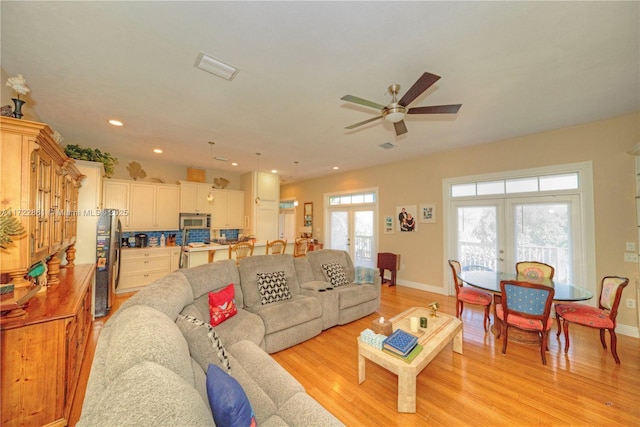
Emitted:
<point x="199" y="235"/>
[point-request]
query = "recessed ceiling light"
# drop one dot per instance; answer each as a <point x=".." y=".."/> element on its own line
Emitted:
<point x="214" y="66"/>
<point x="234" y="164"/>
<point x="157" y="150"/>
<point x="335" y="168"/>
<point x="115" y="122"/>
<point x="274" y="171"/>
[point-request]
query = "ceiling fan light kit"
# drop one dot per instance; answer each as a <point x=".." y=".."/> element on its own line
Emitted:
<point x="396" y="111"/>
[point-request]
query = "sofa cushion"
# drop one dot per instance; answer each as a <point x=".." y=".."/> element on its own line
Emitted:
<point x="335" y="274"/>
<point x="249" y="268"/>
<point x="143" y="333"/>
<point x="222" y="305"/>
<point x="272" y="287"/>
<point x="287" y="314"/>
<point x="351" y="295"/>
<point x="148" y="395"/>
<point x="228" y="401"/>
<point x="214" y="276"/>
<point x="327" y="256"/>
<point x="205" y="345"/>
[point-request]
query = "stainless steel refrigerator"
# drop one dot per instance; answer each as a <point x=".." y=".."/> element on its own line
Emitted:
<point x="108" y="235"/>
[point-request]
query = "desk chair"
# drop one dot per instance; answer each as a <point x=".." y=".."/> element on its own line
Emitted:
<point x="603" y="317"/>
<point x="241" y="250"/>
<point x="300" y="248"/>
<point x="526" y="305"/>
<point x="534" y="270"/>
<point x="469" y="294"/>
<point x="276" y="246"/>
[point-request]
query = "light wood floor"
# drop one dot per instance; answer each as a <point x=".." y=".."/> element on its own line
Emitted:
<point x="480" y="387"/>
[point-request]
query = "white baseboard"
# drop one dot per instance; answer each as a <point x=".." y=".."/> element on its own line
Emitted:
<point x="630" y="331"/>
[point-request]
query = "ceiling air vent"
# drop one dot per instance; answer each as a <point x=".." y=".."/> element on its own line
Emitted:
<point x="215" y="66"/>
<point x="387" y="146"/>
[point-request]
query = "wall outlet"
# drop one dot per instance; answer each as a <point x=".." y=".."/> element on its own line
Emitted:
<point x="630" y="257"/>
<point x="630" y="246"/>
<point x="631" y="303"/>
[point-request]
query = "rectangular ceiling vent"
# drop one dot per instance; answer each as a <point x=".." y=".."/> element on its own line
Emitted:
<point x="215" y="66"/>
<point x="387" y="146"/>
<point x="221" y="159"/>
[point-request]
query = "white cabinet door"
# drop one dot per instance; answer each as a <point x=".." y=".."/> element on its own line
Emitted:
<point x="142" y="206"/>
<point x="235" y="209"/>
<point x="203" y="204"/>
<point x="268" y="186"/>
<point x="219" y="209"/>
<point x="116" y="196"/>
<point x="267" y="220"/>
<point x="166" y="207"/>
<point x="188" y="194"/>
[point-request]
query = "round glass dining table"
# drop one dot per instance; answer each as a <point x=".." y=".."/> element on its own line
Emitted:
<point x="490" y="281"/>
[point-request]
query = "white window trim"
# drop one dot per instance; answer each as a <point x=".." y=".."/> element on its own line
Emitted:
<point x="585" y="189"/>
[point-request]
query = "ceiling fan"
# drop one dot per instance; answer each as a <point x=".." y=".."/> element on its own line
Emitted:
<point x="396" y="110"/>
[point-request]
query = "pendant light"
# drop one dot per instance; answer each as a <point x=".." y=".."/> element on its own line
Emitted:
<point x="258" y="180"/>
<point x="210" y="195"/>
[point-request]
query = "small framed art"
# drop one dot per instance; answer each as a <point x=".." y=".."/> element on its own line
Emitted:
<point x="428" y="212"/>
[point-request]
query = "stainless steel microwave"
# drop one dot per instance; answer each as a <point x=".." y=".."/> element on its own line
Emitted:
<point x="194" y="221"/>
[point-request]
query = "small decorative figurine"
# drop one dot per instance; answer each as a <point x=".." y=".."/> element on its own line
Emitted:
<point x="434" y="306"/>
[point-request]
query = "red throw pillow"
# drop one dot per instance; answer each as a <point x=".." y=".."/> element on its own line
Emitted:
<point x="222" y="305"/>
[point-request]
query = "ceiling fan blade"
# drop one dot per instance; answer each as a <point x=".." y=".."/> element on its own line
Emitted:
<point x="400" y="128"/>
<point x="363" y="122"/>
<point x="435" y="109"/>
<point x="356" y="100"/>
<point x="423" y="83"/>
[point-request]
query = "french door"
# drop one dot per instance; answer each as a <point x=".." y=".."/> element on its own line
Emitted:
<point x="352" y="229"/>
<point x="496" y="233"/>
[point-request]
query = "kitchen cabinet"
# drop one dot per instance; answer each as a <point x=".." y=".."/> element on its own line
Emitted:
<point x="143" y="206"/>
<point x="193" y="197"/>
<point x="141" y="266"/>
<point x="89" y="204"/>
<point x="263" y="216"/>
<point x="34" y="174"/>
<point x="116" y="196"/>
<point x="42" y="352"/>
<point x="228" y="209"/>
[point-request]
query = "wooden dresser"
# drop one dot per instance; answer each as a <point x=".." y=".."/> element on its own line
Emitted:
<point x="42" y="352"/>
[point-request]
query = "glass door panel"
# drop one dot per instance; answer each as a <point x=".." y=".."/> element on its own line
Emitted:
<point x="477" y="236"/>
<point x="339" y="225"/>
<point x="363" y="238"/>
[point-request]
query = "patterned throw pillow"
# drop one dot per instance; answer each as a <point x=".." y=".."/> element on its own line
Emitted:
<point x="222" y="305"/>
<point x="365" y="275"/>
<point x="335" y="274"/>
<point x="273" y="287"/>
<point x="205" y="345"/>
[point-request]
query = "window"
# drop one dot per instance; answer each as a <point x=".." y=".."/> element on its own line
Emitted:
<point x="527" y="184"/>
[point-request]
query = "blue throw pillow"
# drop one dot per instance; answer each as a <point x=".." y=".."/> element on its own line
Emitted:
<point x="228" y="401"/>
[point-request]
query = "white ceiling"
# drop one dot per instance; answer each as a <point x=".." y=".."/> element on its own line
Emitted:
<point x="516" y="67"/>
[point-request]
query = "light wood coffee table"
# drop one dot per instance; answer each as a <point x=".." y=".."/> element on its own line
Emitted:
<point x="439" y="332"/>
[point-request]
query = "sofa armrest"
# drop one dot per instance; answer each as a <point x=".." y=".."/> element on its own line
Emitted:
<point x="316" y="285"/>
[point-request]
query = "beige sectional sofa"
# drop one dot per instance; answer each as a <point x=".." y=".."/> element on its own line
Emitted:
<point x="147" y="372"/>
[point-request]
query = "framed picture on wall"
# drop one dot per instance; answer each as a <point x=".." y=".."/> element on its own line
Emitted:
<point x="428" y="212"/>
<point x="388" y="224"/>
<point x="406" y="218"/>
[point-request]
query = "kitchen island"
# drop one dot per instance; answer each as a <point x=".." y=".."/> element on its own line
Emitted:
<point x="194" y="256"/>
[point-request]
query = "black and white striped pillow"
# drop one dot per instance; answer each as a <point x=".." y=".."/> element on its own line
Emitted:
<point x="193" y="330"/>
<point x="335" y="274"/>
<point x="272" y="287"/>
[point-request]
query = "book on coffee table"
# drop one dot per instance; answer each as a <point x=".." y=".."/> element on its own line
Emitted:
<point x="400" y="342"/>
<point x="409" y="357"/>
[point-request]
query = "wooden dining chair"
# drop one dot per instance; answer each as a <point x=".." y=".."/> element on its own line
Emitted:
<point x="602" y="318"/>
<point x="276" y="246"/>
<point x="526" y="305"/>
<point x="300" y="248"/>
<point x="469" y="294"/>
<point x="240" y="250"/>
<point x="534" y="270"/>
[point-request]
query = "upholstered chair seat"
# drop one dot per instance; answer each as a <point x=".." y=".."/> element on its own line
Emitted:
<point x="523" y="322"/>
<point x="467" y="294"/>
<point x="474" y="296"/>
<point x="585" y="315"/>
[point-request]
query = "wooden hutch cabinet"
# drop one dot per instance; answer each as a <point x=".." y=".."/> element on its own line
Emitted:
<point x="42" y="352"/>
<point x="39" y="186"/>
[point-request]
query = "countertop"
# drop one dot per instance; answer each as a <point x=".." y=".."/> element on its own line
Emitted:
<point x="216" y="247"/>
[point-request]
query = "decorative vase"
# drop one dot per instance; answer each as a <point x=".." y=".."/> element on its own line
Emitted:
<point x="17" y="113"/>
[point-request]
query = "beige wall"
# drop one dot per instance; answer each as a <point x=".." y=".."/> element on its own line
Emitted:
<point x="412" y="182"/>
